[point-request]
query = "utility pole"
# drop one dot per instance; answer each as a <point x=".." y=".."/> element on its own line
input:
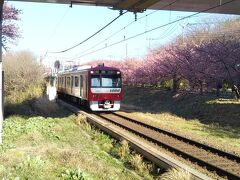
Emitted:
<point x="1" y="72"/>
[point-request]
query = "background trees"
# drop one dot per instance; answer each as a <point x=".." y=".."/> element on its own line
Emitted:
<point x="23" y="76"/>
<point x="10" y="31"/>
<point x="207" y="57"/>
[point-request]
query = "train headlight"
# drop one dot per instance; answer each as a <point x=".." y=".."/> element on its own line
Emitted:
<point x="91" y="72"/>
<point x="118" y="72"/>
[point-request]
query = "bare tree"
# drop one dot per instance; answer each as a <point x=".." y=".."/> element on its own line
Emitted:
<point x="21" y="72"/>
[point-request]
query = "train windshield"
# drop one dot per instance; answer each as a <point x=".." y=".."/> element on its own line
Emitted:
<point x="106" y="81"/>
<point x="96" y="81"/>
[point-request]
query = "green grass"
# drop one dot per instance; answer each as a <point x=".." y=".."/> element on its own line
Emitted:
<point x="204" y="118"/>
<point x="50" y="148"/>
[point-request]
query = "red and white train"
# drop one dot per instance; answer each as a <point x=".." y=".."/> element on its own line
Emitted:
<point x="98" y="87"/>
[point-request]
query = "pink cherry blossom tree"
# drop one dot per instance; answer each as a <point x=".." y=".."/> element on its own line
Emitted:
<point x="10" y="31"/>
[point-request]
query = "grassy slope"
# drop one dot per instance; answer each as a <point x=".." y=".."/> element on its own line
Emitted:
<point x="205" y="118"/>
<point x="47" y="148"/>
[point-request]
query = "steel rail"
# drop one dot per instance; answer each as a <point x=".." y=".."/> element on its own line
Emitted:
<point x="187" y="140"/>
<point x="148" y="151"/>
<point x="209" y="166"/>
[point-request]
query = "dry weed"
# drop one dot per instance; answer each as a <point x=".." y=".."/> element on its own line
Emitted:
<point x="175" y="174"/>
<point x="138" y="164"/>
<point x="81" y="119"/>
<point x="124" y="151"/>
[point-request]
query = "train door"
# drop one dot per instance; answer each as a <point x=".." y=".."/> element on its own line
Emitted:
<point x="81" y="86"/>
<point x="86" y="88"/>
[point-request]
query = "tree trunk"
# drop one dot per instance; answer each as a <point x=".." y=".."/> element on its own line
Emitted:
<point x="201" y="87"/>
<point x="219" y="86"/>
<point x="176" y="81"/>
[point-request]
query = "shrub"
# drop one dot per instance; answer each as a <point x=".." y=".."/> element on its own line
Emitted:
<point x="137" y="163"/>
<point x="30" y="167"/>
<point x="18" y="97"/>
<point x="23" y="76"/>
<point x="175" y="174"/>
<point x="74" y="174"/>
<point x="167" y="84"/>
<point x="124" y="151"/>
<point x="81" y="119"/>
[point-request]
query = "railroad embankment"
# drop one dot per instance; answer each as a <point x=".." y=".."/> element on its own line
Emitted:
<point x="59" y="145"/>
<point x="44" y="141"/>
<point x="206" y="118"/>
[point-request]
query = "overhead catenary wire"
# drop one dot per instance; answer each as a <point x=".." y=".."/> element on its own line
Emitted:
<point x="129" y="24"/>
<point x="158" y="27"/>
<point x="56" y="28"/>
<point x="94" y="34"/>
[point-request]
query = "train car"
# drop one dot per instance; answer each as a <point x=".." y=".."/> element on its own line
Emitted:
<point x="99" y="87"/>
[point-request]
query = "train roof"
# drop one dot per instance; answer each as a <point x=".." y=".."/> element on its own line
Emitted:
<point x="88" y="68"/>
<point x="104" y="68"/>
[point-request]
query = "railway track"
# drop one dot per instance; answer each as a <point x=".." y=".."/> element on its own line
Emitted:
<point x="223" y="163"/>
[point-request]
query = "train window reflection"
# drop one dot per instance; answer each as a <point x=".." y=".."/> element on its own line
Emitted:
<point x="95" y="81"/>
<point x="76" y="81"/>
<point x="111" y="81"/>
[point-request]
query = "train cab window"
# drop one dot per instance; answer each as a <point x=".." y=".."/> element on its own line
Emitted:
<point x="76" y="81"/>
<point x="95" y="81"/>
<point x="111" y="81"/>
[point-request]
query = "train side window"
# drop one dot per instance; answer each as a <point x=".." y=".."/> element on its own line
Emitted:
<point x="68" y="81"/>
<point x="71" y="81"/>
<point x="81" y="81"/>
<point x="76" y="81"/>
<point x="65" y="81"/>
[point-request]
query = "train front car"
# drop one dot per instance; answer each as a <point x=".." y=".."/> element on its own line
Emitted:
<point x="105" y="89"/>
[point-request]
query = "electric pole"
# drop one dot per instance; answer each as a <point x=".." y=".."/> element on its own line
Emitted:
<point x="1" y="72"/>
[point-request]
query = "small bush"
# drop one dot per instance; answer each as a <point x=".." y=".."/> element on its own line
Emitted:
<point x="175" y="174"/>
<point x="184" y="84"/>
<point x="124" y="151"/>
<point x="30" y="167"/>
<point x="74" y="174"/>
<point x="167" y="84"/>
<point x="22" y="75"/>
<point x="137" y="163"/>
<point x="18" y="97"/>
<point x="81" y="119"/>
